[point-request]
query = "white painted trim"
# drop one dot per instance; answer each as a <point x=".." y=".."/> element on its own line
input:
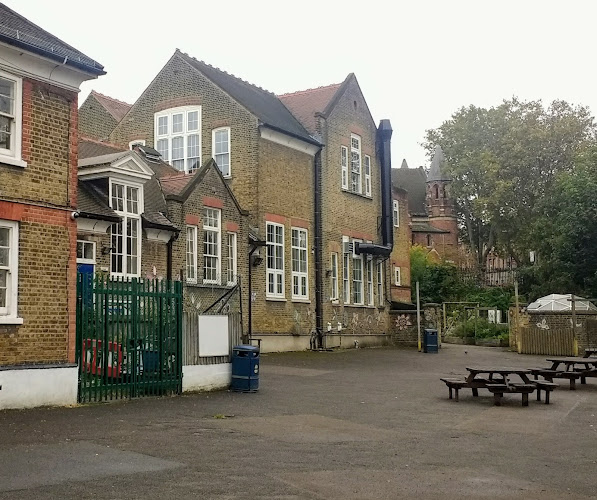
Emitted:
<point x="136" y="142"/>
<point x="9" y="314"/>
<point x="334" y="291"/>
<point x="93" y="226"/>
<point x="159" y="235"/>
<point x="25" y="64"/>
<point x="218" y="279"/>
<point x="184" y="110"/>
<point x="234" y="259"/>
<point x="290" y="142"/>
<point x="213" y="149"/>
<point x="40" y="386"/>
<point x="275" y="271"/>
<point x="196" y="251"/>
<point x="206" y="377"/>
<point x="116" y="170"/>
<point x="294" y="297"/>
<point x="82" y="260"/>
<point x="14" y="154"/>
<point x="396" y="213"/>
<point x="397" y="276"/>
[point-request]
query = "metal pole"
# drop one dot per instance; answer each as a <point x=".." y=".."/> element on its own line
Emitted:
<point x="418" y="318"/>
<point x="573" y="298"/>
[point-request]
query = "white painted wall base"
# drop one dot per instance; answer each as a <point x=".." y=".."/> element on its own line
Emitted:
<point x="206" y="377"/>
<point x="289" y="343"/>
<point x="29" y="387"/>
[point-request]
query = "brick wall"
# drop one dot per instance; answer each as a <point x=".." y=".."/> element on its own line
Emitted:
<point x="41" y="197"/>
<point x="94" y="120"/>
<point x="400" y="256"/>
<point x="349" y="214"/>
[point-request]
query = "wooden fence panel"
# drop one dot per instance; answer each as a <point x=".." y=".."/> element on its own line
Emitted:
<point x="190" y="352"/>
<point x="553" y="342"/>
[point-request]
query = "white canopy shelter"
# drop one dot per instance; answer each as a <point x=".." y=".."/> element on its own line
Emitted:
<point x="558" y="302"/>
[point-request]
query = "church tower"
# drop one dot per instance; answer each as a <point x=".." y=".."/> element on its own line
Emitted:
<point x="441" y="209"/>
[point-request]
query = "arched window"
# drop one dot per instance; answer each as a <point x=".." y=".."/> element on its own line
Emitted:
<point x="436" y="187"/>
<point x="428" y="240"/>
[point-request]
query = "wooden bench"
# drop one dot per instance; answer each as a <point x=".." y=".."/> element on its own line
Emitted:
<point x="542" y="385"/>
<point x="456" y="384"/>
<point x="499" y="390"/>
<point x="549" y="374"/>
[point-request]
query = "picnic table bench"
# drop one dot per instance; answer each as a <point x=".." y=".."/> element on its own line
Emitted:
<point x="498" y="382"/>
<point x="574" y="369"/>
<point x="590" y="351"/>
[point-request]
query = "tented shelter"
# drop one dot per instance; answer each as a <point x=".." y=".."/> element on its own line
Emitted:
<point x="558" y="302"/>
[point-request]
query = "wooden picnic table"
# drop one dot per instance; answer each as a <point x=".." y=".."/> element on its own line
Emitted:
<point x="571" y="363"/>
<point x="590" y="351"/>
<point x="573" y="368"/>
<point x="499" y="381"/>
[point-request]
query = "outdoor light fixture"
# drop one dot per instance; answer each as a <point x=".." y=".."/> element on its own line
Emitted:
<point x="107" y="250"/>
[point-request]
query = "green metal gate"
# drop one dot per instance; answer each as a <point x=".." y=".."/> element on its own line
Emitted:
<point x="128" y="337"/>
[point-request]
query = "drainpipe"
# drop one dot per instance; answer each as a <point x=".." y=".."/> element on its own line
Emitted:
<point x="169" y="256"/>
<point x="318" y="243"/>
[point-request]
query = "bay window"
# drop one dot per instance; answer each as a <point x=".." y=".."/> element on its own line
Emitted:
<point x="126" y="200"/>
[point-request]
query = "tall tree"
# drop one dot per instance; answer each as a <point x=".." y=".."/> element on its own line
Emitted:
<point x="503" y="161"/>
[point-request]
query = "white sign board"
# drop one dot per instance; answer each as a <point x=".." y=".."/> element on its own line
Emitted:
<point x="213" y="336"/>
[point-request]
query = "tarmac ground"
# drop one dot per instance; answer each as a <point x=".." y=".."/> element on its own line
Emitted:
<point x="352" y="424"/>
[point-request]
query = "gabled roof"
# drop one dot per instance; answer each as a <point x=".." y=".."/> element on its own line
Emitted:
<point x="263" y="104"/>
<point x="19" y="32"/>
<point x="305" y="104"/>
<point x="425" y="227"/>
<point x="116" y="108"/>
<point x="413" y="180"/>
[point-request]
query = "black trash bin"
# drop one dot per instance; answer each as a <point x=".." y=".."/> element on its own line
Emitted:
<point x="245" y="368"/>
<point x="430" y="342"/>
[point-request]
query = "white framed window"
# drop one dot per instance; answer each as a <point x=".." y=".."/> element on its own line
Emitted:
<point x="9" y="267"/>
<point x="211" y="245"/>
<point x="136" y="142"/>
<point x="232" y="258"/>
<point x="85" y="252"/>
<point x="380" y="284"/>
<point x="334" y="276"/>
<point x="177" y="133"/>
<point x="300" y="276"/>
<point x="367" y="175"/>
<point x="275" y="260"/>
<point x="357" y="278"/>
<point x="220" y="146"/>
<point x="344" y="165"/>
<point x="127" y="201"/>
<point x="11" y="119"/>
<point x="369" y="276"/>
<point x="397" y="276"/>
<point x="355" y="164"/>
<point x="191" y="254"/>
<point x="396" y="213"/>
<point x="345" y="271"/>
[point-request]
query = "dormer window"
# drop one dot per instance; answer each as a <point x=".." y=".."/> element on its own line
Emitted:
<point x="127" y="201"/>
<point x="177" y="134"/>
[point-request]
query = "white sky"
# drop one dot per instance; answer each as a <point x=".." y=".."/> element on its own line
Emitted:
<point x="417" y="61"/>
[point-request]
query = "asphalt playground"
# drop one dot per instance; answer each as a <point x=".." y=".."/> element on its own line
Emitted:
<point x="353" y="424"/>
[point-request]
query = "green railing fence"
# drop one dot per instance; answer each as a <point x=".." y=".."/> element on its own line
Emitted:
<point x="128" y="337"/>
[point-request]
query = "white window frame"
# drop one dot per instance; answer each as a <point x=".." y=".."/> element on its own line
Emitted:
<point x="83" y="260"/>
<point x="169" y="135"/>
<point x="136" y="142"/>
<point x="367" y="175"/>
<point x="297" y="274"/>
<point x="346" y="257"/>
<point x="8" y="313"/>
<point x="274" y="272"/>
<point x="396" y="213"/>
<point x="397" y="280"/>
<point x="213" y="150"/>
<point x="191" y="254"/>
<point x="126" y="216"/>
<point x="232" y="258"/>
<point x="344" y="166"/>
<point x="217" y="229"/>
<point x="380" y="284"/>
<point x="369" y="278"/>
<point x="355" y="186"/>
<point x="334" y="276"/>
<point x="13" y="155"/>
<point x="355" y="281"/>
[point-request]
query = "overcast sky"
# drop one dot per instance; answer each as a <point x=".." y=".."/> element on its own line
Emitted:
<point x="417" y="61"/>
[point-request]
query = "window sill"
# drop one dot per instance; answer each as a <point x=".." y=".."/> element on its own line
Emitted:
<point x="208" y="285"/>
<point x="301" y="300"/>
<point x="335" y="302"/>
<point x="360" y="195"/>
<point x="9" y="160"/>
<point x="276" y="299"/>
<point x="5" y="320"/>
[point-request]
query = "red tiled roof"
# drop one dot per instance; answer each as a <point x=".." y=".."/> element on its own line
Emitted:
<point x="89" y="148"/>
<point x="175" y="184"/>
<point x="113" y="106"/>
<point x="305" y="103"/>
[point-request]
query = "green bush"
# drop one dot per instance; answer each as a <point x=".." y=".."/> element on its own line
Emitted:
<point x="484" y="329"/>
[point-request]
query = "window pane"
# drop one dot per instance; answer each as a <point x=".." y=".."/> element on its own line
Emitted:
<point x="3" y="286"/>
<point x="5" y="136"/>
<point x="162" y="125"/>
<point x="177" y="148"/>
<point x="88" y="251"/>
<point x="162" y="148"/>
<point x="132" y="200"/>
<point x="177" y="123"/>
<point x="193" y="121"/>
<point x="7" y="96"/>
<point x="221" y="142"/>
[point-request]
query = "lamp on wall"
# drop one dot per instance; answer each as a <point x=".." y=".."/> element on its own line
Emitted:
<point x="107" y="250"/>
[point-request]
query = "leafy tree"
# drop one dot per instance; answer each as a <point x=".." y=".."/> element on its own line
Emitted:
<point x="504" y="161"/>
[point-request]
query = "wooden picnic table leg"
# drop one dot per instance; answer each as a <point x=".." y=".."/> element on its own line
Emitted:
<point x="546" y="397"/>
<point x="572" y="384"/>
<point x="475" y="392"/>
<point x="497" y="398"/>
<point x="539" y="394"/>
<point x="450" y="392"/>
<point x="525" y="399"/>
<point x="583" y="380"/>
<point x="456" y="393"/>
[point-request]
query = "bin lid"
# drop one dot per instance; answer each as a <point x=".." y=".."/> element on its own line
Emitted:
<point x="246" y="348"/>
<point x="430" y="330"/>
